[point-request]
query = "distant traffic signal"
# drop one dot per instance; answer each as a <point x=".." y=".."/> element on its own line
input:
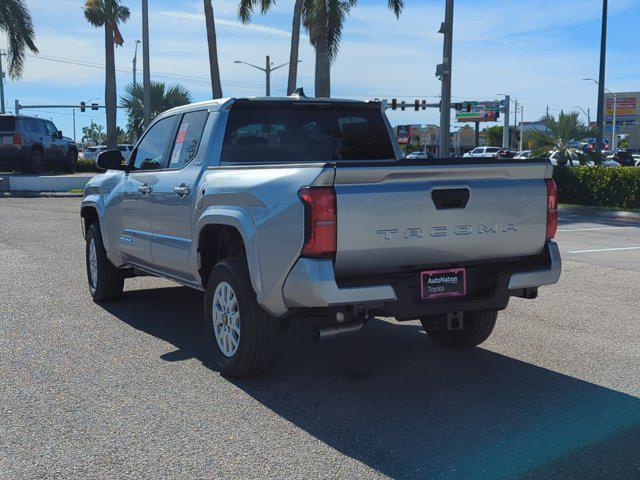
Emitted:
<point x="82" y="106"/>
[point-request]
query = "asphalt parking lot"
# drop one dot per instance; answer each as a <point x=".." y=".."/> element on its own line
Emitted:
<point x="123" y="391"/>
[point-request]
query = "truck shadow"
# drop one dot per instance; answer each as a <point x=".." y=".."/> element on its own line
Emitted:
<point x="391" y="399"/>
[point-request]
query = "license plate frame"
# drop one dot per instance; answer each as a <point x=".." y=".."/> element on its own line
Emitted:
<point x="443" y="288"/>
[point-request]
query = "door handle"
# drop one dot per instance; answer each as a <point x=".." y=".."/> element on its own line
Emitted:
<point x="182" y="190"/>
<point x="144" y="189"/>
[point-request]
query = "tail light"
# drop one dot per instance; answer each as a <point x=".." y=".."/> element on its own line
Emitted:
<point x="320" y="229"/>
<point x="552" y="209"/>
<point x="17" y="139"/>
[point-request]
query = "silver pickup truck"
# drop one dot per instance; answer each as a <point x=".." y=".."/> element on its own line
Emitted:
<point x="295" y="208"/>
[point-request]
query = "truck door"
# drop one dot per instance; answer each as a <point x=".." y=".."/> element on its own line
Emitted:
<point x="146" y="161"/>
<point x="55" y="150"/>
<point x="173" y="197"/>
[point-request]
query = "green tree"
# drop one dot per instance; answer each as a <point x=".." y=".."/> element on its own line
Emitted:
<point x="108" y="14"/>
<point x="93" y="134"/>
<point x="162" y="98"/>
<point x="214" y="68"/>
<point x="559" y="135"/>
<point x="15" y="21"/>
<point x="493" y="136"/>
<point x="324" y="21"/>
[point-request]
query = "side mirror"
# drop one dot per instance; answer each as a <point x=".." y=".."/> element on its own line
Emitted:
<point x="110" y="160"/>
<point x="59" y="133"/>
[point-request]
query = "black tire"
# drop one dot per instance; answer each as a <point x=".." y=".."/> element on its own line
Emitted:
<point x="257" y="331"/>
<point x="35" y="162"/>
<point x="109" y="281"/>
<point x="71" y="162"/>
<point x="477" y="328"/>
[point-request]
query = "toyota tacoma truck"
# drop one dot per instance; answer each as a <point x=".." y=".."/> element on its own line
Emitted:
<point x="296" y="208"/>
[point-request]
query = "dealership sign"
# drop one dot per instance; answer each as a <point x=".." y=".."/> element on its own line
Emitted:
<point x="478" y="112"/>
<point x="404" y="134"/>
<point x="625" y="106"/>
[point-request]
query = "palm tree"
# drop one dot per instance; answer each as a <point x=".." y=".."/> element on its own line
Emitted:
<point x="162" y="98"/>
<point x="216" y="86"/>
<point x="108" y="14"/>
<point x="323" y="20"/>
<point x="15" y="21"/>
<point x="560" y="134"/>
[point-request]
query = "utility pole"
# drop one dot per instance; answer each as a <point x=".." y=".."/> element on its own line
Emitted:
<point x="267" y="70"/>
<point x="146" y="73"/>
<point x="444" y="72"/>
<point x="135" y="62"/>
<point x="521" y="125"/>
<point x="515" y="123"/>
<point x="546" y="128"/>
<point x="603" y="55"/>
<point x="476" y="139"/>
<point x="73" y="110"/>
<point x="2" y="110"/>
<point x="506" y="134"/>
<point x="614" y="140"/>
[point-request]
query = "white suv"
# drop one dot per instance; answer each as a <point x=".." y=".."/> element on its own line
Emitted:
<point x="482" y="152"/>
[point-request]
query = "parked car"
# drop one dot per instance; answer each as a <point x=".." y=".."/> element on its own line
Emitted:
<point x="419" y="155"/>
<point x="91" y="153"/>
<point x="623" y="158"/>
<point x="126" y="150"/>
<point x="523" y="155"/>
<point x="29" y="143"/>
<point x="297" y="210"/>
<point x="574" y="159"/>
<point x="482" y="152"/>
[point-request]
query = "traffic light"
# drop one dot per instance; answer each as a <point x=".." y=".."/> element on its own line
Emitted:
<point x="82" y="106"/>
<point x="394" y="104"/>
<point x="468" y="107"/>
<point x="417" y="105"/>
<point x="403" y="105"/>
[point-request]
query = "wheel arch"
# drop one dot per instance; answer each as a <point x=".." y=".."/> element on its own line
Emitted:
<point x="223" y="233"/>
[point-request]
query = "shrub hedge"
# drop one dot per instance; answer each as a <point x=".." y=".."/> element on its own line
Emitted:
<point x="599" y="186"/>
<point x="85" y="165"/>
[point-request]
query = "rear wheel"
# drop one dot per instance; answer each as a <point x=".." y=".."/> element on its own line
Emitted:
<point x="71" y="162"/>
<point x="106" y="282"/>
<point x="240" y="336"/>
<point x="476" y="329"/>
<point x="35" y="162"/>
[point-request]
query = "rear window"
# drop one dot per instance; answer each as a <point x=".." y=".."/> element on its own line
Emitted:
<point x="492" y="149"/>
<point x="7" y="124"/>
<point x="305" y="132"/>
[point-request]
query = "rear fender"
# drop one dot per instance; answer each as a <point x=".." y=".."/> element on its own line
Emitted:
<point x="239" y="219"/>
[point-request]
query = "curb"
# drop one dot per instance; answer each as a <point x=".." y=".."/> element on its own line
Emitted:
<point x="601" y="212"/>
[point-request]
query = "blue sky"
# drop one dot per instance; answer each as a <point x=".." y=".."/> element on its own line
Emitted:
<point x="536" y="50"/>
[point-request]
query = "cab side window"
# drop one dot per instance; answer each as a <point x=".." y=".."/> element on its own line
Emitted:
<point x="150" y="152"/>
<point x="187" y="142"/>
<point x="50" y="129"/>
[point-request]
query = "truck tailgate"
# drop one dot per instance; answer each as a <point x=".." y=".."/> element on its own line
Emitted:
<point x="400" y="216"/>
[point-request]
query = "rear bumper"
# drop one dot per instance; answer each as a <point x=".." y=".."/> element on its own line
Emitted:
<point x="13" y="155"/>
<point x="312" y="284"/>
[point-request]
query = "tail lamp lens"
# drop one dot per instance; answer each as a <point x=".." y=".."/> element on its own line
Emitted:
<point x="320" y="222"/>
<point x="552" y="209"/>
<point x="17" y="139"/>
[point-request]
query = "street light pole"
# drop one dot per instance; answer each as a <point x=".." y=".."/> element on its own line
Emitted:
<point x="2" y="84"/>
<point x="146" y="73"/>
<point x="444" y="72"/>
<point x="135" y="61"/>
<point x="267" y="71"/>
<point x="603" y="55"/>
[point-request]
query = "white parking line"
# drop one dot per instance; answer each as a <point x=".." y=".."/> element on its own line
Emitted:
<point x="590" y="229"/>
<point x="604" y="250"/>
